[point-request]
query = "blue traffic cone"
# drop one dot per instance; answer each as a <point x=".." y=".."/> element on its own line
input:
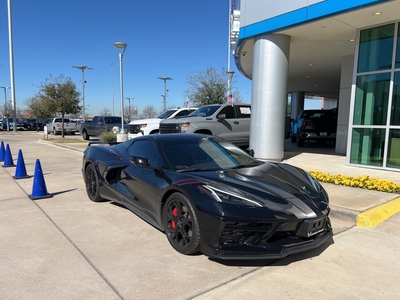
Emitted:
<point x="39" y="189"/>
<point x="2" y="151"/>
<point x="20" y="171"/>
<point x="8" y="160"/>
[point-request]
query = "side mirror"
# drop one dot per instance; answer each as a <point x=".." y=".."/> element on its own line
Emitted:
<point x="139" y="161"/>
<point x="221" y="116"/>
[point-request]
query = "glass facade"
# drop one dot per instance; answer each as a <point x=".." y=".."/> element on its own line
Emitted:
<point x="375" y="127"/>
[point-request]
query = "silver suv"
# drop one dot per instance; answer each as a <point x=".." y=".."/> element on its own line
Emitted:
<point x="231" y="122"/>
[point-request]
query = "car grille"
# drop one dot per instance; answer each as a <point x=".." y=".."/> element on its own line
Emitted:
<point x="169" y="128"/>
<point x="134" y="128"/>
<point x="275" y="233"/>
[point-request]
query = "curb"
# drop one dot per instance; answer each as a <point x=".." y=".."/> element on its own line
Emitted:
<point x="377" y="215"/>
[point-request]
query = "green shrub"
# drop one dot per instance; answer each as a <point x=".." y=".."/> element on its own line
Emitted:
<point x="108" y="137"/>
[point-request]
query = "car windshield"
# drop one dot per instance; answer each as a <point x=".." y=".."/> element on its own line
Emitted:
<point x="207" y="154"/>
<point x="166" y="114"/>
<point x="205" y="111"/>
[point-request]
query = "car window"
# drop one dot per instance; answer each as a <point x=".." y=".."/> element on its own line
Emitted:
<point x="205" y="111"/>
<point x="228" y="111"/>
<point x="183" y="113"/>
<point x="147" y="149"/>
<point x="112" y="120"/>
<point x="166" y="114"/>
<point x="244" y="111"/>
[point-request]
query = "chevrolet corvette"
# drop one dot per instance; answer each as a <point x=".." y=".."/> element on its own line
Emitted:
<point x="210" y="196"/>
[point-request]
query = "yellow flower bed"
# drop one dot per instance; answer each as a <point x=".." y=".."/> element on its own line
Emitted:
<point x="364" y="182"/>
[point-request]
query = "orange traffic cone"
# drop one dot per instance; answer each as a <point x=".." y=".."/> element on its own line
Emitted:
<point x="39" y="190"/>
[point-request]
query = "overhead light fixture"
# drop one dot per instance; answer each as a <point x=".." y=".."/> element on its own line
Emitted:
<point x="377" y="13"/>
<point x="310" y="65"/>
<point x="351" y="40"/>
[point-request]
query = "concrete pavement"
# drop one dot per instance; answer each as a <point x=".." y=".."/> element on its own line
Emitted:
<point x="67" y="247"/>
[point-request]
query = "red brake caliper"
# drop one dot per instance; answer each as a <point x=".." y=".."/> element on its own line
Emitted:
<point x="175" y="214"/>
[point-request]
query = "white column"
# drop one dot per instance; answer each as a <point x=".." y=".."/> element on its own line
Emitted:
<point x="269" y="96"/>
<point x="296" y="103"/>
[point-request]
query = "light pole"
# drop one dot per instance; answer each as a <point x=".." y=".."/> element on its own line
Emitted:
<point x="129" y="107"/>
<point x="112" y="83"/>
<point x="230" y="74"/>
<point x="165" y="90"/>
<point x="121" y="47"/>
<point x="5" y="94"/>
<point x="83" y="68"/>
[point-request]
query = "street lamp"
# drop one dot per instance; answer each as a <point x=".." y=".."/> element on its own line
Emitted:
<point x="83" y="68"/>
<point x="121" y="47"/>
<point x="112" y="83"/>
<point x="129" y="99"/>
<point x="5" y="94"/>
<point x="165" y="90"/>
<point x="230" y="74"/>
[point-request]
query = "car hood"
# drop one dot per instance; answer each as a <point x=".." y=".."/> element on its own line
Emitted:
<point x="182" y="120"/>
<point x="278" y="186"/>
<point x="144" y="121"/>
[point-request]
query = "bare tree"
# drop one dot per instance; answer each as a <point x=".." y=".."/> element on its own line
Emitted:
<point x="105" y="112"/>
<point x="148" y="112"/>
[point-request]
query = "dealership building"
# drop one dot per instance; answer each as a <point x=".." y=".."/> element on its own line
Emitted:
<point x="347" y="52"/>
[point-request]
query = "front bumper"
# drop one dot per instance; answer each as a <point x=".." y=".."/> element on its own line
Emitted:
<point x="262" y="239"/>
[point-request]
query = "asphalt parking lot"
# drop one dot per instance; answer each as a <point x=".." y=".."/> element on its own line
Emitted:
<point x="67" y="247"/>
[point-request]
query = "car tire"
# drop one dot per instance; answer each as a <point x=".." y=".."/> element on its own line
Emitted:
<point x="85" y="136"/>
<point x="181" y="224"/>
<point x="92" y="183"/>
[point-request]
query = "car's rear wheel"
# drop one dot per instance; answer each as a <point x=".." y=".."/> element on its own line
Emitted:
<point x="92" y="183"/>
<point x="181" y="224"/>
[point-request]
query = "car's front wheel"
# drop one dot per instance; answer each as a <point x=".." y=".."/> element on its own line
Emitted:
<point x="85" y="136"/>
<point x="92" y="183"/>
<point x="181" y="224"/>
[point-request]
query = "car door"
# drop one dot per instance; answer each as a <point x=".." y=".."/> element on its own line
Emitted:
<point x="145" y="183"/>
<point x="225" y="125"/>
<point x="235" y="127"/>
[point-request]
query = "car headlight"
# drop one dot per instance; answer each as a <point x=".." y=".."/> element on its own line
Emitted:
<point x="143" y="126"/>
<point x="228" y="196"/>
<point x="183" y="127"/>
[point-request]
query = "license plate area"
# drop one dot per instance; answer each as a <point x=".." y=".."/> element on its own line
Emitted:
<point x="309" y="228"/>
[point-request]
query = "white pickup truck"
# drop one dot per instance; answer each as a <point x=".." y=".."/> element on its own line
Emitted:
<point x="55" y="126"/>
<point x="150" y="126"/>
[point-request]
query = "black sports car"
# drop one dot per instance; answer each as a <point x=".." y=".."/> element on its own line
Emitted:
<point x="208" y="195"/>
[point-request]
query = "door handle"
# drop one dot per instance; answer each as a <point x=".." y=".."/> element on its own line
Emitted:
<point x="236" y="122"/>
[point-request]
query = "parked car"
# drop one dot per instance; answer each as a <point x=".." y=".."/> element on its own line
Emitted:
<point x="231" y="122"/>
<point x="210" y="196"/>
<point x="5" y="123"/>
<point x="100" y="124"/>
<point x="315" y="124"/>
<point x="151" y="126"/>
<point x="56" y="126"/>
<point x="33" y="124"/>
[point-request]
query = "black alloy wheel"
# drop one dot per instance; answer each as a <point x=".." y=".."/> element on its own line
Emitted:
<point x="92" y="183"/>
<point x="181" y="224"/>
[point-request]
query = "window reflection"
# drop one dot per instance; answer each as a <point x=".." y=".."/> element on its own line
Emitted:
<point x="376" y="48"/>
